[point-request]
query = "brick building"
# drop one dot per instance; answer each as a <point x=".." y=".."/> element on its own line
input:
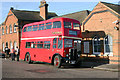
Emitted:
<point x="16" y="19"/>
<point x="0" y="39"/>
<point x="101" y="32"/>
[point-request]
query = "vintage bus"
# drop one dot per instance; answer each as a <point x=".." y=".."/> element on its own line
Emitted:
<point x="55" y="41"/>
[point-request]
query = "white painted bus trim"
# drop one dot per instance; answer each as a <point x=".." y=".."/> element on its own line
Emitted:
<point x="49" y="37"/>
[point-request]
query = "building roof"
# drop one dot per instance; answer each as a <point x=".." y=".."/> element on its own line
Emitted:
<point x="92" y="34"/>
<point x="114" y="7"/>
<point x="31" y="15"/>
<point x="80" y="16"/>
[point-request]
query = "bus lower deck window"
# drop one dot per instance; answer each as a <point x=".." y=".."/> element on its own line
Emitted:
<point x="28" y="44"/>
<point x="40" y="44"/>
<point x="47" y="44"/>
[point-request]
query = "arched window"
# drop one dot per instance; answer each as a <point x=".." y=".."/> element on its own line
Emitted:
<point x="14" y="28"/>
<point x="10" y="28"/>
<point x="6" y="30"/>
<point x="11" y="45"/>
<point x="108" y="45"/>
<point x="96" y="45"/>
<point x="6" y="44"/>
<point x="3" y="46"/>
<point x="15" y="45"/>
<point x="2" y="30"/>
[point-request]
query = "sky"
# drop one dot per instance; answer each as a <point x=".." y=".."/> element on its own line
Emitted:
<point x="60" y="8"/>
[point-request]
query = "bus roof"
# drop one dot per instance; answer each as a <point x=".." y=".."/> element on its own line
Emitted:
<point x="50" y="20"/>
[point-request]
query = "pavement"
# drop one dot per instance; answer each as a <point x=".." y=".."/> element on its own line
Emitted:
<point x="109" y="67"/>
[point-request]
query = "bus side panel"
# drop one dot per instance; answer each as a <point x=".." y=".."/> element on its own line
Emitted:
<point x="22" y="50"/>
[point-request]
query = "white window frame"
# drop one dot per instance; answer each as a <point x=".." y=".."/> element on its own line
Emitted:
<point x="96" y="53"/>
<point x="110" y="43"/>
<point x="11" y="45"/>
<point x="86" y="47"/>
<point x="3" y="46"/>
<point x="2" y="30"/>
<point x="6" y="30"/>
<point x="10" y="28"/>
<point x="15" y="45"/>
<point x="15" y="29"/>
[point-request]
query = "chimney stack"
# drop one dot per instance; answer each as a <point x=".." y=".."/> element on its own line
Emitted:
<point x="43" y="9"/>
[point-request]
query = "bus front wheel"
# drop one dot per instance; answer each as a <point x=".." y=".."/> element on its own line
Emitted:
<point x="57" y="61"/>
<point x="28" y="58"/>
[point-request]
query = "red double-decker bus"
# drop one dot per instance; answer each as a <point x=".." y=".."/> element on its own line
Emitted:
<point x="55" y="41"/>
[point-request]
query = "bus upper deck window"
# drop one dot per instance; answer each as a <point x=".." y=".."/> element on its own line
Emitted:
<point x="25" y="29"/>
<point x="57" y="24"/>
<point x="48" y="25"/>
<point x="29" y="28"/>
<point x="76" y="26"/>
<point x="35" y="27"/>
<point x="41" y="27"/>
<point x="67" y="25"/>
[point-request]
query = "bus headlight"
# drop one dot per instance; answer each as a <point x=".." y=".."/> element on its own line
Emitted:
<point x="78" y="55"/>
<point x="67" y="55"/>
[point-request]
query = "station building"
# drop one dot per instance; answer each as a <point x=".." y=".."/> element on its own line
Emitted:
<point x="101" y="32"/>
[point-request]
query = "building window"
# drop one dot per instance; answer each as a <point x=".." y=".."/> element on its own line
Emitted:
<point x="15" y="29"/>
<point x="6" y="44"/>
<point x="15" y="45"/>
<point x="96" y="45"/>
<point x="11" y="45"/>
<point x="3" y="46"/>
<point x="10" y="28"/>
<point x="6" y="30"/>
<point x="108" y="45"/>
<point x="2" y="30"/>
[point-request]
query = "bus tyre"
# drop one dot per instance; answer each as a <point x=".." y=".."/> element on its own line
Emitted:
<point x="57" y="61"/>
<point x="28" y="58"/>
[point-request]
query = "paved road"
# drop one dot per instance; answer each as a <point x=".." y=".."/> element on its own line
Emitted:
<point x="14" y="69"/>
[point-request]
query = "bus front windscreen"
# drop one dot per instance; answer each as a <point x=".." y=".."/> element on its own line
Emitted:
<point x="68" y="43"/>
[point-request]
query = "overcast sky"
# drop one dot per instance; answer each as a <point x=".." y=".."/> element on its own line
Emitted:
<point x="60" y="8"/>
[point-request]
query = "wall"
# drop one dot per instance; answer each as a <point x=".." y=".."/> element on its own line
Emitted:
<point x="10" y="37"/>
<point x="103" y="21"/>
